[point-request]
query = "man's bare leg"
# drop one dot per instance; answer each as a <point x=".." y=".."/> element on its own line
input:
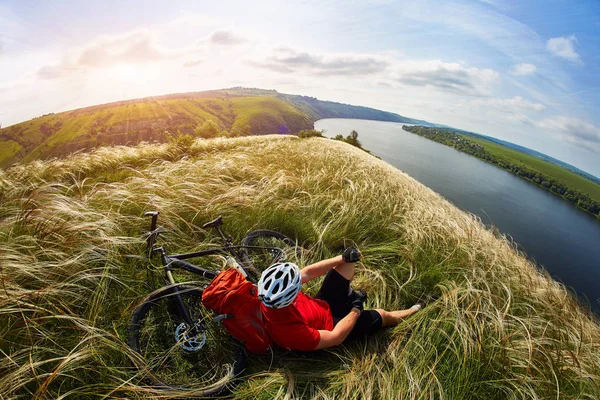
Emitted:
<point x="346" y="270"/>
<point x="393" y="318"/>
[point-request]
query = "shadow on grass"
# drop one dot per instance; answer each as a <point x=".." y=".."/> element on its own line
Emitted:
<point x="293" y="374"/>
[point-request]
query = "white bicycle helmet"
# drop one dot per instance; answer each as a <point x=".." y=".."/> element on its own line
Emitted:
<point x="279" y="284"/>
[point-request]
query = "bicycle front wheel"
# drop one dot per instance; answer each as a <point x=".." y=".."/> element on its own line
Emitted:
<point x="264" y="247"/>
<point x="174" y="356"/>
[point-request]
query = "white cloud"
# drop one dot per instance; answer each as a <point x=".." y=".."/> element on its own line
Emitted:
<point x="563" y="47"/>
<point x="389" y="70"/>
<point x="574" y="130"/>
<point x="514" y="39"/>
<point x="290" y="60"/>
<point x="133" y="47"/>
<point x="137" y="47"/>
<point x="198" y="52"/>
<point x="523" y="69"/>
<point x="520" y="118"/>
<point x="226" y="37"/>
<point x="450" y="77"/>
<point x="515" y="105"/>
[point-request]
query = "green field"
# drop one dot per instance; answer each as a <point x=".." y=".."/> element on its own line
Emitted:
<point x="73" y="269"/>
<point x="265" y="115"/>
<point x="236" y="112"/>
<point x="545" y="167"/>
<point x="8" y="149"/>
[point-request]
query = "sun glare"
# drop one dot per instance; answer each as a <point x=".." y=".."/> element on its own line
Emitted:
<point x="130" y="73"/>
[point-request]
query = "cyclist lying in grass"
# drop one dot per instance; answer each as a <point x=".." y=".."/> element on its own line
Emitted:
<point x="297" y="321"/>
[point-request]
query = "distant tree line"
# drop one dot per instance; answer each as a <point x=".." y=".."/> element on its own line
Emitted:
<point x="459" y="142"/>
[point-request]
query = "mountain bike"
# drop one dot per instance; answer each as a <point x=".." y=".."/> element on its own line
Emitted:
<point x="180" y="345"/>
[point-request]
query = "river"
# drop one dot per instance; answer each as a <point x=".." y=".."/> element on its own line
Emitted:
<point x="551" y="231"/>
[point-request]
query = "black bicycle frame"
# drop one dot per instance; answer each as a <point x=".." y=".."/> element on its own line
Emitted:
<point x="176" y="260"/>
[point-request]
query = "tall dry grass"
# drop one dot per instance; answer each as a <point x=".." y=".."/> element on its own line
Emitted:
<point x="72" y="272"/>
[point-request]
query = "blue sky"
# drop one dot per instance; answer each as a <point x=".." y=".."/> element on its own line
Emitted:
<point x="527" y="72"/>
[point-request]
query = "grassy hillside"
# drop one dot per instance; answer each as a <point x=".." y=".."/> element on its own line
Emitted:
<point x="570" y="178"/>
<point x="237" y="112"/>
<point x="9" y="149"/>
<point x="130" y="122"/>
<point x="72" y="272"/>
<point x="266" y="114"/>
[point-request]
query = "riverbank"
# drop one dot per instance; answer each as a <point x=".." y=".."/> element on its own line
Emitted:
<point x="478" y="148"/>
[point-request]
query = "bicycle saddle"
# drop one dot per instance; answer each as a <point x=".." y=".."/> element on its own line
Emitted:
<point x="214" y="223"/>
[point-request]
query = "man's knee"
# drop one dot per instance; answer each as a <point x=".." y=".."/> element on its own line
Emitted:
<point x="393" y="318"/>
<point x="346" y="270"/>
<point x="389" y="318"/>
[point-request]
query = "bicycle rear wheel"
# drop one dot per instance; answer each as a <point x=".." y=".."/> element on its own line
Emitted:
<point x="266" y="247"/>
<point x="205" y="363"/>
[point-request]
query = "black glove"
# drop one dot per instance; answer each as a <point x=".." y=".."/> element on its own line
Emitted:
<point x="351" y="255"/>
<point x="357" y="302"/>
<point x="357" y="293"/>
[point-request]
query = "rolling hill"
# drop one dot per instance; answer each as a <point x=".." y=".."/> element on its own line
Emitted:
<point x="236" y="111"/>
<point x="317" y="109"/>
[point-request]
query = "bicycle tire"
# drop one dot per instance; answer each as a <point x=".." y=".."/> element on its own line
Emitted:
<point x="165" y="365"/>
<point x="257" y="260"/>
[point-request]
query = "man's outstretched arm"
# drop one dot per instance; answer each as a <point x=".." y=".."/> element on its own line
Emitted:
<point x="340" y="332"/>
<point x="315" y="270"/>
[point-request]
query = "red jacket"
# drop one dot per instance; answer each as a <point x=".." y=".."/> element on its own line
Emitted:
<point x="296" y="326"/>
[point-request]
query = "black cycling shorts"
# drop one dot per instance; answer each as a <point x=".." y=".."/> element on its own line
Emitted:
<point x="335" y="292"/>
